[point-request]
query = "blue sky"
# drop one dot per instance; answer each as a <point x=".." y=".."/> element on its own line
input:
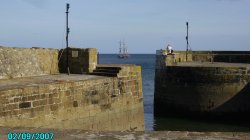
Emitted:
<point x="145" y="25"/>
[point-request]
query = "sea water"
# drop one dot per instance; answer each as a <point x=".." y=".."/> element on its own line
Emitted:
<point x="147" y="62"/>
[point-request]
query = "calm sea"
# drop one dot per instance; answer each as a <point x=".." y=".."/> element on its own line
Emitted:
<point x="147" y="62"/>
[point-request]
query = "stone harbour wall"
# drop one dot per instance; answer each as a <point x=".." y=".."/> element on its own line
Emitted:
<point x="34" y="94"/>
<point x="80" y="60"/>
<point x="201" y="86"/>
<point x="202" y="89"/>
<point x="209" y="56"/>
<point x="131" y="75"/>
<point x="25" y="62"/>
<point x="101" y="103"/>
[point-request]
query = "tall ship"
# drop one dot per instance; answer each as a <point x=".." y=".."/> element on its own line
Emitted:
<point x="123" y="51"/>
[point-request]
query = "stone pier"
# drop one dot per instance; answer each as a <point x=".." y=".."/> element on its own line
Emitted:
<point x="34" y="94"/>
<point x="215" y="83"/>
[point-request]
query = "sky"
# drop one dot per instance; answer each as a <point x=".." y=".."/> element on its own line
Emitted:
<point x="145" y="25"/>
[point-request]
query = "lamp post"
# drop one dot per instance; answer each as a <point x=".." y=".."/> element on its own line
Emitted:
<point x="67" y="36"/>
<point x="187" y="42"/>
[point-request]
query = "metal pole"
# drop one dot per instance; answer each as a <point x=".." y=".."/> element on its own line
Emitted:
<point x="98" y="56"/>
<point x="67" y="36"/>
<point x="187" y="42"/>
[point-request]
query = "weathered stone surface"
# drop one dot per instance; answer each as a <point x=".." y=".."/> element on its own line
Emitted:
<point x="22" y="62"/>
<point x="74" y="102"/>
<point x="25" y="62"/>
<point x="202" y="86"/>
<point x="67" y="101"/>
<point x="209" y="56"/>
<point x="80" y="60"/>
<point x="76" y="134"/>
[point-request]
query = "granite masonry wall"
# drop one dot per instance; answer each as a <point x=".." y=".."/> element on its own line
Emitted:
<point x="24" y="62"/>
<point x="75" y="101"/>
<point x="211" y="56"/>
<point x="202" y="86"/>
<point x="80" y="60"/>
<point x="106" y="103"/>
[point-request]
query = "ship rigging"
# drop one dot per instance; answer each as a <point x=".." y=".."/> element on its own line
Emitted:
<point x="123" y="51"/>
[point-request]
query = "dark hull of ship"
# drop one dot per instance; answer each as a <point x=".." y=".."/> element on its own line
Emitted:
<point x="123" y="56"/>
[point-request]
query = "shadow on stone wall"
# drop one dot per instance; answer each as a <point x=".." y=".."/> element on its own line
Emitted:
<point x="239" y="105"/>
<point x="79" y="60"/>
<point x="174" y="117"/>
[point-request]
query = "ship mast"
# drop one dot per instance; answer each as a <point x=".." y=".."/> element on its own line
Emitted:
<point x="124" y="48"/>
<point x="120" y="49"/>
<point x="123" y="51"/>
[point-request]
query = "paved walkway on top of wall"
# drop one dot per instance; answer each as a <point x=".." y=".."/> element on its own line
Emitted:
<point x="6" y="84"/>
<point x="151" y="135"/>
<point x="210" y="64"/>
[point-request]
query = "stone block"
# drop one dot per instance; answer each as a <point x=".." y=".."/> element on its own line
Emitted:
<point x="35" y="103"/>
<point x="40" y="108"/>
<point x="54" y="107"/>
<point x="25" y="105"/>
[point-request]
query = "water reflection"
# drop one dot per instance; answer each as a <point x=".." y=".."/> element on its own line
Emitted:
<point x="174" y="123"/>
